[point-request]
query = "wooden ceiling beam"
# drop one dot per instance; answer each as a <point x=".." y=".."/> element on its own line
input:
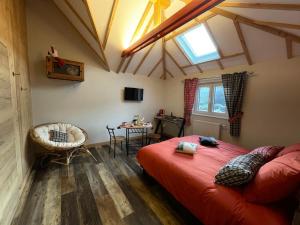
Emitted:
<point x="175" y="62"/>
<point x="292" y="7"/>
<point x="80" y="19"/>
<point x="216" y="44"/>
<point x="154" y="67"/>
<point x="289" y="48"/>
<point x="142" y="20"/>
<point x="184" y="15"/>
<point x="164" y="58"/>
<point x="182" y="52"/>
<point x="87" y="5"/>
<point x="83" y="38"/>
<point x="144" y="58"/>
<point x="185" y="28"/>
<point x="110" y="22"/>
<point x="276" y="24"/>
<point x="224" y="57"/>
<point x="171" y="75"/>
<point x="253" y="23"/>
<point x="242" y="41"/>
<point x="145" y="31"/>
<point x="121" y="64"/>
<point x="127" y="64"/>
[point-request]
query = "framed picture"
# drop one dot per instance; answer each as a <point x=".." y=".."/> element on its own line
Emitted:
<point x="71" y="70"/>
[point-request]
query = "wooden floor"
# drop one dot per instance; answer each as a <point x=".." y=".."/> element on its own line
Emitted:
<point x="110" y="191"/>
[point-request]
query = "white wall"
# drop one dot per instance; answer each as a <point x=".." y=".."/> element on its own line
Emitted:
<point x="91" y="104"/>
<point x="271" y="104"/>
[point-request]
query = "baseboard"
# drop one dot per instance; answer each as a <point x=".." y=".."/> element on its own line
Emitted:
<point x="107" y="142"/>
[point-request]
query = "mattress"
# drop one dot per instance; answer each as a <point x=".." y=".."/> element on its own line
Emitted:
<point x="190" y="179"/>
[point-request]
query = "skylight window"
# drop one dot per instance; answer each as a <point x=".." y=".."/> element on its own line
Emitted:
<point x="198" y="45"/>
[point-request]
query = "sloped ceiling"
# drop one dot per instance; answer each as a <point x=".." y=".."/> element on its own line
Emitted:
<point x="107" y="27"/>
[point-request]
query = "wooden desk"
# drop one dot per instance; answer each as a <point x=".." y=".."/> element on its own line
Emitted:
<point x="135" y="129"/>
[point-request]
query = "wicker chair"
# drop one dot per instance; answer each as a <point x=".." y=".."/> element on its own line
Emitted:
<point x="152" y="137"/>
<point x="60" y="152"/>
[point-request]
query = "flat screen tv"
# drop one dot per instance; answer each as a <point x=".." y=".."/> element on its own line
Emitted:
<point x="133" y="94"/>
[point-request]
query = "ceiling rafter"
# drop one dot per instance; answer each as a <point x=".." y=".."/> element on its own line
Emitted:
<point x="137" y="31"/>
<point x="79" y="33"/>
<point x="142" y="21"/>
<point x="144" y="58"/>
<point x="87" y="5"/>
<point x="276" y="24"/>
<point x="154" y="67"/>
<point x="80" y="19"/>
<point x="224" y="57"/>
<point x="168" y="72"/>
<point x="292" y="7"/>
<point x="145" y="31"/>
<point x="175" y="62"/>
<point x="216" y="44"/>
<point x="164" y="75"/>
<point x="242" y="41"/>
<point x="196" y="21"/>
<point x="289" y="48"/>
<point x="180" y="49"/>
<point x="110" y="22"/>
<point x="253" y="23"/>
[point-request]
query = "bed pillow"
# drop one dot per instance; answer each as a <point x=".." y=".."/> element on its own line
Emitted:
<point x="275" y="180"/>
<point x="186" y="147"/>
<point x="289" y="149"/>
<point x="239" y="170"/>
<point x="268" y="152"/>
<point x="208" y="141"/>
<point x="58" y="136"/>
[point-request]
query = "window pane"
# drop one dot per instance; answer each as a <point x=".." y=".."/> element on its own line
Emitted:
<point x="203" y="99"/>
<point x="198" y="45"/>
<point x="219" y="105"/>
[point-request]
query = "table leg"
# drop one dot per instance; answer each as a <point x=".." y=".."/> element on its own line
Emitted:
<point x="127" y="141"/>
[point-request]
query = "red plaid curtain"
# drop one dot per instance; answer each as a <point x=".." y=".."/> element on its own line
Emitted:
<point x="190" y="87"/>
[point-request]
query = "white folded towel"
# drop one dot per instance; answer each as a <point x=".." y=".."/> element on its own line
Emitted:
<point x="187" y="148"/>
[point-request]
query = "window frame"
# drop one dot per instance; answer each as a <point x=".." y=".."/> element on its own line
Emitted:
<point x="186" y="49"/>
<point x="211" y="84"/>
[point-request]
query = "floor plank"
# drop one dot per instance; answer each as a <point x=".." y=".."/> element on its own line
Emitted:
<point x="111" y="191"/>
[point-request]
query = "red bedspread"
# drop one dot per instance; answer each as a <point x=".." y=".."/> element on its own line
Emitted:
<point x="190" y="179"/>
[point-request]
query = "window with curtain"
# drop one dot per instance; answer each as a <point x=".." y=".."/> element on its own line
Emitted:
<point x="210" y="100"/>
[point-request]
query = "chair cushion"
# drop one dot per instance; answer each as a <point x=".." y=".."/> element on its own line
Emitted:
<point x="76" y="136"/>
<point x="275" y="180"/>
<point x="239" y="170"/>
<point x="58" y="136"/>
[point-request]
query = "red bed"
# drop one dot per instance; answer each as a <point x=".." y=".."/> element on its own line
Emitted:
<point x="190" y="179"/>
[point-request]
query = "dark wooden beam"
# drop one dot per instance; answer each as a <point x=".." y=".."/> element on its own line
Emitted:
<point x="186" y="14"/>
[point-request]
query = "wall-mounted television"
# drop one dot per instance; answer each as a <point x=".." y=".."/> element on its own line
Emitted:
<point x="133" y="94"/>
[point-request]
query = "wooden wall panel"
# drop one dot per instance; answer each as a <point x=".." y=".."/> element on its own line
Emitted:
<point x="15" y="107"/>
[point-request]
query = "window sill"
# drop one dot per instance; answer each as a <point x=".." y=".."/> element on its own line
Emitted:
<point x="211" y="115"/>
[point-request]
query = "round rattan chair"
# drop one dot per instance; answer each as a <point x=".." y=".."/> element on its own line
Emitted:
<point x="60" y="152"/>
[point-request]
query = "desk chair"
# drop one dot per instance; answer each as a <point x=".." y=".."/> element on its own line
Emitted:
<point x="113" y="139"/>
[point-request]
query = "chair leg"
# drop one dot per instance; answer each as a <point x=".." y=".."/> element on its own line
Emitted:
<point x="122" y="145"/>
<point x="88" y="151"/>
<point x="109" y="145"/>
<point x="115" y="149"/>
